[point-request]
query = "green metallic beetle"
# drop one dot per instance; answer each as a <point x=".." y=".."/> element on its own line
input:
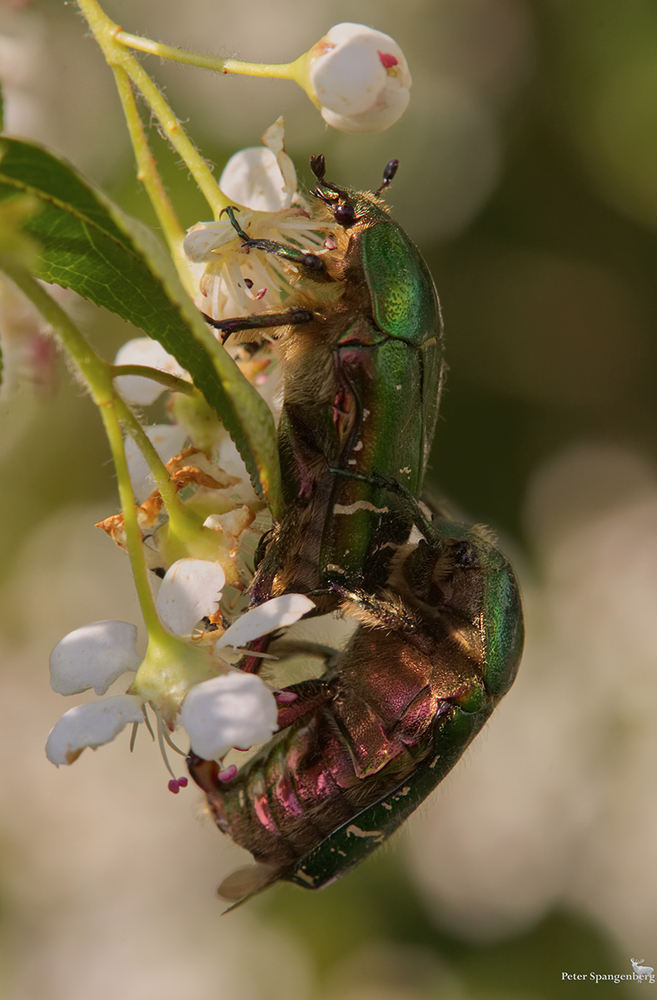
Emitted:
<point x="362" y="355"/>
<point x="362" y="746"/>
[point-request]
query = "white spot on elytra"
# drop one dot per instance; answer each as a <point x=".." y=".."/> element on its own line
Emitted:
<point x="340" y="508"/>
<point x="355" y="831"/>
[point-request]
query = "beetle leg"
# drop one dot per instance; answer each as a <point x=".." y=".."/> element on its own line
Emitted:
<point x="383" y="612"/>
<point x="299" y="699"/>
<point x="310" y="261"/>
<point x="264" y="321"/>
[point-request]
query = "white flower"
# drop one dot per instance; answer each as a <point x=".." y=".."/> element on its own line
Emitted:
<point x="96" y="655"/>
<point x="144" y="351"/>
<point x="233" y="710"/>
<point x="360" y="78"/>
<point x="235" y="282"/>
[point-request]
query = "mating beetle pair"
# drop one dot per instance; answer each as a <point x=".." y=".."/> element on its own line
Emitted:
<point x="362" y="376"/>
<point x="440" y="633"/>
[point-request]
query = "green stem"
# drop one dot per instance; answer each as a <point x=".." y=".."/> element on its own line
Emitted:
<point x="156" y="633"/>
<point x="279" y="71"/>
<point x="156" y="466"/>
<point x="170" y="382"/>
<point x="184" y="523"/>
<point x="147" y="171"/>
<point x="105" y="31"/>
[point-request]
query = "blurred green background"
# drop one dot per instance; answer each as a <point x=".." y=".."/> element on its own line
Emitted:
<point x="529" y="178"/>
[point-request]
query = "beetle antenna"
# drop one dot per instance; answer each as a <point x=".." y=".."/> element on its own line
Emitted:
<point x="388" y="173"/>
<point x="318" y="167"/>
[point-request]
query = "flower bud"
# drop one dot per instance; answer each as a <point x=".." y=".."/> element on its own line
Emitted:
<point x="360" y="78"/>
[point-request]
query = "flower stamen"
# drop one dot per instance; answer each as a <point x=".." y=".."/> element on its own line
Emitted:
<point x="163" y="751"/>
<point x="148" y="722"/>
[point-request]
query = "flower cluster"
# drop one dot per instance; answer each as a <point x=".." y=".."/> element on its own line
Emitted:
<point x="233" y="281"/>
<point x="221" y="707"/>
<point x="191" y="504"/>
<point x="188" y="676"/>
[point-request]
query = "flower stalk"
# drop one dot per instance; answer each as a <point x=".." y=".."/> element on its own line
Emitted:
<point x="119" y="59"/>
<point x="147" y="171"/>
<point x="275" y="71"/>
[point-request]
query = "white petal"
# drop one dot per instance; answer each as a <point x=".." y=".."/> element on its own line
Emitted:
<point x="93" y="657"/>
<point x="379" y="117"/>
<point x="274" y="139"/>
<point x="167" y="439"/>
<point x="277" y="613"/>
<point x="253" y="178"/>
<point x="348" y="33"/>
<point x="91" y="725"/>
<point x="349" y="78"/>
<point x="144" y="351"/>
<point x="205" y="237"/>
<point x="190" y="590"/>
<point x="230" y="460"/>
<point x="231" y="524"/>
<point x="234" y="710"/>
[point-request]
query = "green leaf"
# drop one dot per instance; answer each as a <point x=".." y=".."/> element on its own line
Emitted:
<point x="88" y="244"/>
<point x="2" y="112"/>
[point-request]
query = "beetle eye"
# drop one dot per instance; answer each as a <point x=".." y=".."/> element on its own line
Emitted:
<point x="345" y="214"/>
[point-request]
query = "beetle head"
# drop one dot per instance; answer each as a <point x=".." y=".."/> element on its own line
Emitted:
<point x="341" y="202"/>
